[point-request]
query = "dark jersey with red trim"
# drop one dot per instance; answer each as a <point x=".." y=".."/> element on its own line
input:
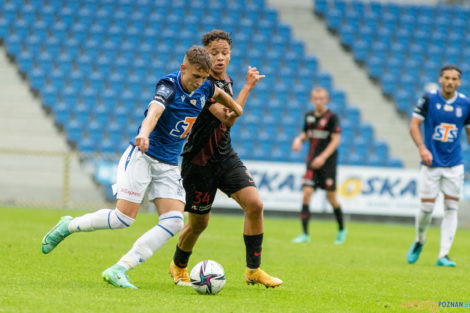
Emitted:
<point x="209" y="141"/>
<point x="318" y="130"/>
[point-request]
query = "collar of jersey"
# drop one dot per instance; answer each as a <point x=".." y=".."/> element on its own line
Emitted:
<point x="178" y="80"/>
<point x="451" y="100"/>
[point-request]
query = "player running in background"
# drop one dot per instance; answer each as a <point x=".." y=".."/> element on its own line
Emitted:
<point x="209" y="162"/>
<point x="445" y="112"/>
<point x="151" y="161"/>
<point x="321" y="128"/>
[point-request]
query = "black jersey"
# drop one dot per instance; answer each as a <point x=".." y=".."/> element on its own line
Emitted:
<point x="209" y="141"/>
<point x="318" y="130"/>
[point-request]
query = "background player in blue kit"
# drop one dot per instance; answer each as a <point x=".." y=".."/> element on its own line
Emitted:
<point x="445" y="112"/>
<point x="151" y="163"/>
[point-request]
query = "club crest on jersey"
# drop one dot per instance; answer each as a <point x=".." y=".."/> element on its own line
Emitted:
<point x="458" y="112"/>
<point x="182" y="128"/>
<point x="438" y="106"/>
<point x="448" y="108"/>
<point x="311" y="119"/>
<point x="445" y="132"/>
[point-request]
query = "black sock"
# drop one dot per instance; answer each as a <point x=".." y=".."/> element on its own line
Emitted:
<point x="181" y="258"/>
<point x="339" y="217"/>
<point x="305" y="217"/>
<point x="253" y="245"/>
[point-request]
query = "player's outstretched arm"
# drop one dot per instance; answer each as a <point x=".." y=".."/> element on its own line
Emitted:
<point x="415" y="133"/>
<point x="223" y="98"/>
<point x="154" y="112"/>
<point x="297" y="143"/>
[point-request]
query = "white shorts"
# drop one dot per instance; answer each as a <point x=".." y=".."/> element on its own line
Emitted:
<point x="449" y="180"/>
<point x="137" y="172"/>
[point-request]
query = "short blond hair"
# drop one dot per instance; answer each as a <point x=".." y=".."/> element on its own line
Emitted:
<point x="198" y="56"/>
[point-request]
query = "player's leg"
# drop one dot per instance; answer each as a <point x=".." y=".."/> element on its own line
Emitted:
<point x="326" y="178"/>
<point x="428" y="190"/>
<point x="200" y="184"/>
<point x="196" y="224"/>
<point x="238" y="184"/>
<point x="168" y="195"/>
<point x="342" y="231"/>
<point x="248" y="198"/>
<point x="131" y="184"/>
<point x="451" y="186"/>
<point x="307" y="190"/>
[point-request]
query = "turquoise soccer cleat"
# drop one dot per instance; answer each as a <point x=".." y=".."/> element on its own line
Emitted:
<point x="56" y="235"/>
<point x="445" y="261"/>
<point x="414" y="251"/>
<point x="341" y="236"/>
<point x="116" y="275"/>
<point x="301" y="238"/>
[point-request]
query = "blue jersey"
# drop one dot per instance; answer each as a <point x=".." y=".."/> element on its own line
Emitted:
<point x="181" y="110"/>
<point x="443" y="124"/>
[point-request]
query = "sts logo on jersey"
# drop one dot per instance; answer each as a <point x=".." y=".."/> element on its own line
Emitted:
<point x="182" y="128"/>
<point x="445" y="132"/>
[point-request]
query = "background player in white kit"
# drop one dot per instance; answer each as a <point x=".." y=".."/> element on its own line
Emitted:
<point x="151" y="162"/>
<point x="445" y="112"/>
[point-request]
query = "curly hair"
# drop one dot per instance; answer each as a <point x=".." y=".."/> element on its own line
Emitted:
<point x="215" y="34"/>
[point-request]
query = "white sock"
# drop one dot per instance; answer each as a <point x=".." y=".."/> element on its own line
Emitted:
<point x="101" y="219"/>
<point x="423" y="219"/>
<point x="169" y="225"/>
<point x="448" y="227"/>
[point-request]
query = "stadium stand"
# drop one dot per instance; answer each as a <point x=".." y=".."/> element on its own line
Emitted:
<point x="401" y="44"/>
<point x="94" y="65"/>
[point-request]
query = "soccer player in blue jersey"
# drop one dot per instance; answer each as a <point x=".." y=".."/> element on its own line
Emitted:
<point x="444" y="112"/>
<point x="150" y="164"/>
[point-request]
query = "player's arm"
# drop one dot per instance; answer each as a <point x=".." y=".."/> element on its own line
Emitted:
<point x="467" y="131"/>
<point x="154" y="112"/>
<point x="297" y="143"/>
<point x="223" y="98"/>
<point x="227" y="116"/>
<point x="415" y="133"/>
<point x="164" y="94"/>
<point x="320" y="159"/>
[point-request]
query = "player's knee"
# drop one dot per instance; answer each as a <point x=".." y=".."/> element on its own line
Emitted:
<point x="451" y="205"/>
<point x="118" y="220"/>
<point x="172" y="222"/>
<point x="427" y="207"/>
<point x="254" y="207"/>
<point x="196" y="227"/>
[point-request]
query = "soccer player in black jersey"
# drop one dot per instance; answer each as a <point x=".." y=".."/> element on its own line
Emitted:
<point x="210" y="163"/>
<point x="322" y="129"/>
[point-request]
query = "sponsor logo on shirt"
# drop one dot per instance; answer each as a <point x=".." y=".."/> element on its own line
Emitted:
<point x="445" y="132"/>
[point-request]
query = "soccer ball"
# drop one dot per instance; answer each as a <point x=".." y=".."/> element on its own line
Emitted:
<point x="207" y="277"/>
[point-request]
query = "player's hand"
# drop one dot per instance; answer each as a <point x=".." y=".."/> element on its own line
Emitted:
<point x="318" y="162"/>
<point x="142" y="142"/>
<point x="426" y="155"/>
<point x="252" y="77"/>
<point x="297" y="145"/>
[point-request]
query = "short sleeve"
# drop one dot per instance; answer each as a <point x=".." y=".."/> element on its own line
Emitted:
<point x="164" y="93"/>
<point x="334" y="125"/>
<point x="305" y="123"/>
<point x="421" y="109"/>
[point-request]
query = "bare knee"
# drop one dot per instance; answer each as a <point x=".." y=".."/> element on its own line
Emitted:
<point x="254" y="208"/>
<point x="197" y="227"/>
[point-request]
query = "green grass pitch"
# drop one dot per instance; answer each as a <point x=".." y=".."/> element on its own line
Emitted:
<point x="367" y="274"/>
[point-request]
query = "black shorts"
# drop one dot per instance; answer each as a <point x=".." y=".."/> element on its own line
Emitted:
<point x="201" y="183"/>
<point x="324" y="178"/>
